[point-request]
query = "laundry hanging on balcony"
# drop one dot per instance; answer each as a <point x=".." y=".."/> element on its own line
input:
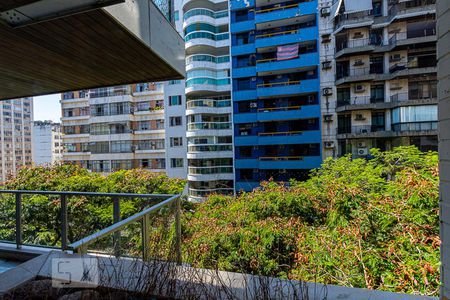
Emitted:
<point x="287" y="52"/>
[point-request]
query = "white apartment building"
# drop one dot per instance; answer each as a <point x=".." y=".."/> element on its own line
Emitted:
<point x="47" y="143"/>
<point x="205" y="27"/>
<point x="122" y="127"/>
<point x="15" y="135"/>
<point x="378" y="75"/>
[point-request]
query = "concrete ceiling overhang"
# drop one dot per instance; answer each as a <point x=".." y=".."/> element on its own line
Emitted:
<point x="119" y="44"/>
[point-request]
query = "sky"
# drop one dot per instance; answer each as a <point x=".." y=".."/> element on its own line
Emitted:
<point x="47" y="108"/>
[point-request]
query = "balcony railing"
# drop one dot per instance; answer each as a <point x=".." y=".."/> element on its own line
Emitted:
<point x="206" y="192"/>
<point x="403" y="97"/>
<point x="278" y="158"/>
<point x="361" y="129"/>
<point x="410" y="34"/>
<point x="406" y="7"/>
<point x="276" y="84"/>
<point x="276" y="8"/>
<point x="282" y="133"/>
<point x="210" y="148"/>
<point x="412" y="65"/>
<point x="415" y="126"/>
<point x="82" y="246"/>
<point x="210" y="170"/>
<point x="279" y="33"/>
<point x="205" y="12"/>
<point x="208" y="103"/>
<point x="209" y="126"/>
<point x="285" y="108"/>
<point x="360" y="100"/>
<point x="357" y="43"/>
<point x="354" y="72"/>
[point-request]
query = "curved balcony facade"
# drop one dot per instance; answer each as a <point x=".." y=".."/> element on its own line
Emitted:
<point x="208" y="104"/>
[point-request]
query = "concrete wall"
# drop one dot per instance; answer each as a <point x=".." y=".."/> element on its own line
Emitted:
<point x="443" y="11"/>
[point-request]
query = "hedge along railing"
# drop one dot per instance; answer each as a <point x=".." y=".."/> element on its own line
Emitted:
<point x="82" y="245"/>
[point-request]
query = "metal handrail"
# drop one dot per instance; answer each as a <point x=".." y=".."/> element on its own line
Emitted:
<point x="281" y="158"/>
<point x="279" y="108"/>
<point x="82" y="245"/>
<point x="279" y="133"/>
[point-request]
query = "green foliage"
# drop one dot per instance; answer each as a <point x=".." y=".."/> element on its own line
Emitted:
<point x="364" y="223"/>
<point x="86" y="214"/>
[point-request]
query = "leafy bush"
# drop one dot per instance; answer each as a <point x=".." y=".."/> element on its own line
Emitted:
<point x="364" y="223"/>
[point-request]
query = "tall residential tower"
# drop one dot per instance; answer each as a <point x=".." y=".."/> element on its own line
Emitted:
<point x="275" y="71"/>
<point x="208" y="97"/>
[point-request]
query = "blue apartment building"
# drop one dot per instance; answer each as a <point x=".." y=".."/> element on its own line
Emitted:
<point x="275" y="90"/>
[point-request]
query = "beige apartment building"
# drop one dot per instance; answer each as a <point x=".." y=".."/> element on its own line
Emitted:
<point x="122" y="127"/>
<point x="378" y="75"/>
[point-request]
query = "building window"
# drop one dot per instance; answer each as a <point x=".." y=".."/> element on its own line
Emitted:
<point x="176" y="15"/>
<point x="174" y="100"/>
<point x="176" y="162"/>
<point x="175" y="121"/>
<point x="176" y="141"/>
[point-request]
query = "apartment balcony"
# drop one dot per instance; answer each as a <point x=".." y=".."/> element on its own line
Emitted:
<point x="278" y="38"/>
<point x="210" y="151"/>
<point x="279" y="138"/>
<point x="287" y="87"/>
<point x="243" y="72"/>
<point x="274" y="65"/>
<point x="401" y="70"/>
<point x="202" y="84"/>
<point x="209" y="129"/>
<point x="212" y="173"/>
<point x="244" y="95"/>
<point x="203" y="15"/>
<point x="413" y="98"/>
<point x="280" y="162"/>
<point x="363" y="131"/>
<point x="279" y="113"/>
<point x="415" y="128"/>
<point x="241" y="26"/>
<point x="208" y="106"/>
<point x="284" y="12"/>
<point x="238" y="4"/>
<point x="361" y="103"/>
<point x="353" y="20"/>
<point x="401" y="40"/>
<point x="360" y="74"/>
<point x="411" y="9"/>
<point x="202" y="193"/>
<point x="357" y="46"/>
<point x="214" y="62"/>
<point x="202" y="40"/>
<point x="243" y="49"/>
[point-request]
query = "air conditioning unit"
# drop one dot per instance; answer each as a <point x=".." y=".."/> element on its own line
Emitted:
<point x="363" y="151"/>
<point x="327" y="91"/>
<point x="326" y="65"/>
<point x="328" y="145"/>
<point x="253" y="105"/>
<point x="361" y="144"/>
<point x="359" y="88"/>
<point x="325" y="12"/>
<point x="359" y="117"/>
<point x="328" y="118"/>
<point x="326" y="38"/>
<point x="395" y="58"/>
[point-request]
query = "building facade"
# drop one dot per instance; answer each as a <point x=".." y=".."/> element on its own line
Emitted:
<point x="276" y="101"/>
<point x="15" y="136"/>
<point x="122" y="127"/>
<point x="205" y="27"/>
<point x="47" y="142"/>
<point x="378" y="75"/>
